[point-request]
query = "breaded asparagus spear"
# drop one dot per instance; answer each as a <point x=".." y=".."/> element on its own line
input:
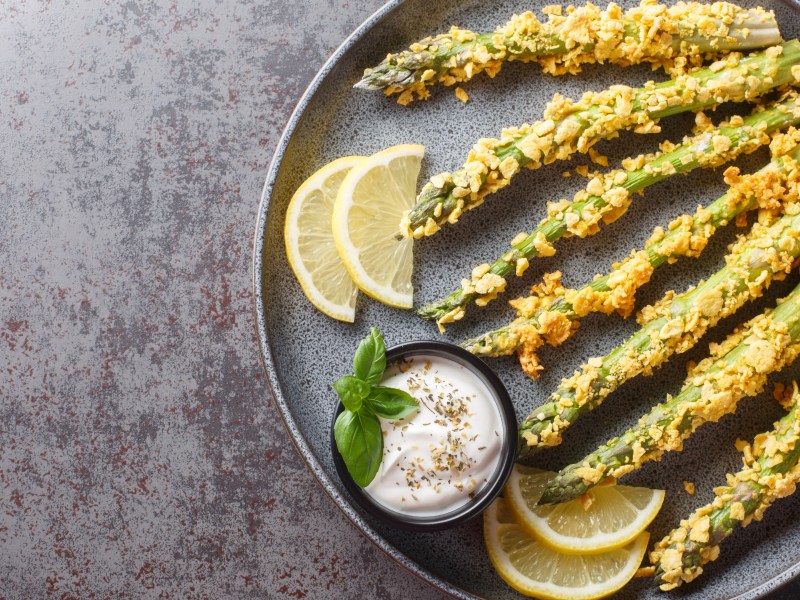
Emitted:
<point x="671" y="326"/>
<point x="607" y="197"/>
<point x="654" y="33"/>
<point x="570" y="127"/>
<point x="770" y="472"/>
<point x="737" y="368"/>
<point x="540" y="314"/>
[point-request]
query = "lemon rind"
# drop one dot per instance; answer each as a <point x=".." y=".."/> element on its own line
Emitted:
<point x="365" y="283"/>
<point x="301" y="273"/>
<point x="537" y="527"/>
<point x="529" y="587"/>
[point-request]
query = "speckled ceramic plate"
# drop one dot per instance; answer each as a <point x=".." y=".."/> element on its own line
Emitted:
<point x="304" y="351"/>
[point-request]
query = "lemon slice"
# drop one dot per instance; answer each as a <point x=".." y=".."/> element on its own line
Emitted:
<point x="606" y="518"/>
<point x="366" y="218"/>
<point x="537" y="570"/>
<point x="309" y="242"/>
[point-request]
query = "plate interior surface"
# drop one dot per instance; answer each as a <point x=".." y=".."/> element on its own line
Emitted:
<point x="304" y="351"/>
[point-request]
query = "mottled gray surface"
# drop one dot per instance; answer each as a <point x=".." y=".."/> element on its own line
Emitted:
<point x="140" y="454"/>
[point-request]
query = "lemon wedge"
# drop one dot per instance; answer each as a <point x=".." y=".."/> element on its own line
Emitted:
<point x="606" y="518"/>
<point x="309" y="241"/>
<point x="366" y="217"/>
<point x="534" y="569"/>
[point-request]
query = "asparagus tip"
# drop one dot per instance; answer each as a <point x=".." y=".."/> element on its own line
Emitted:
<point x="366" y="84"/>
<point x="430" y="312"/>
<point x="556" y="493"/>
<point x="471" y="345"/>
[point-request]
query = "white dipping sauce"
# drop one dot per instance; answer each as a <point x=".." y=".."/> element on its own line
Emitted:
<point x="436" y="459"/>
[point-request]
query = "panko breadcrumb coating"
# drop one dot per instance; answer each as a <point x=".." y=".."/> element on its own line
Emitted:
<point x="607" y="197"/>
<point x="672" y="37"/>
<point x="687" y="235"/>
<point x="736" y="368"/>
<point x="674" y="325"/>
<point x="569" y="127"/>
<point x="770" y="472"/>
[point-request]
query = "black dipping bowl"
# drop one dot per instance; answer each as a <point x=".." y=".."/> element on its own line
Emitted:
<point x="489" y="491"/>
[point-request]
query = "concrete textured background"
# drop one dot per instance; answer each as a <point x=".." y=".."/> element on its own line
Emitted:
<point x="140" y="453"/>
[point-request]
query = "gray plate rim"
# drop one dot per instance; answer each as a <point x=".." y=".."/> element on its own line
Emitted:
<point x="259" y="309"/>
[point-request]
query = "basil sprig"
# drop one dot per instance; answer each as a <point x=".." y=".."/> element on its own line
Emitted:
<point x="357" y="430"/>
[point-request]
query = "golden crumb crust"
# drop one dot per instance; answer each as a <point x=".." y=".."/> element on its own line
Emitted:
<point x="573" y="36"/>
<point x="772" y="242"/>
<point x="770" y="472"/>
<point x="569" y="127"/>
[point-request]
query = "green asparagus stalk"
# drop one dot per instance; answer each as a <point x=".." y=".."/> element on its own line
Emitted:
<point x="608" y="197"/>
<point x="651" y="33"/>
<point x="770" y="472"/>
<point x="571" y="127"/>
<point x="672" y="326"/>
<point x="686" y="236"/>
<point x="737" y="368"/>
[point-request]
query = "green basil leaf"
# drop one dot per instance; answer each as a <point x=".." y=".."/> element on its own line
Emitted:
<point x="369" y="362"/>
<point x="352" y="391"/>
<point x="390" y="403"/>
<point x="359" y="440"/>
